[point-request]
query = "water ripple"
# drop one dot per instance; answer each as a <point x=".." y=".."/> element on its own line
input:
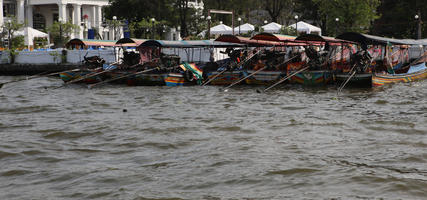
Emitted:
<point x="200" y="143"/>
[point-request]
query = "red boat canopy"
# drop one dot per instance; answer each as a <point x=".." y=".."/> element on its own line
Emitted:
<point x="273" y="37"/>
<point x="318" y="40"/>
<point x="87" y="43"/>
<point x="247" y="41"/>
<point x="130" y="42"/>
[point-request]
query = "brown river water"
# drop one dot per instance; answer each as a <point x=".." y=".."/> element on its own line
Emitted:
<point x="201" y="143"/>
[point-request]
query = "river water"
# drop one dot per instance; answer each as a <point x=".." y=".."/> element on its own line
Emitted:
<point x="119" y="142"/>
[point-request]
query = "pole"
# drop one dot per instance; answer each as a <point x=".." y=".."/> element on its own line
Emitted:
<point x="296" y="24"/>
<point x="209" y="26"/>
<point x="232" y="22"/>
<point x="239" y="23"/>
<point x="296" y="27"/>
<point x="336" y="29"/>
<point x="60" y="34"/>
<point x="419" y="25"/>
<point x="9" y="42"/>
<point x="114" y="30"/>
<point x="152" y="32"/>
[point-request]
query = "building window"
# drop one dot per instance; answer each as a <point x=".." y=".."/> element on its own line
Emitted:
<point x="9" y="9"/>
<point x="55" y="17"/>
<point x="39" y="22"/>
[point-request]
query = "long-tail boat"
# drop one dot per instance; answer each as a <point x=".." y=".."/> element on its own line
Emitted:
<point x="186" y="70"/>
<point x="234" y="67"/>
<point x="413" y="72"/>
<point x="260" y="61"/>
<point x="321" y="52"/>
<point x="384" y="64"/>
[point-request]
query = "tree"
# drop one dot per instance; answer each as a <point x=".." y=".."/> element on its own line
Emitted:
<point x="9" y="28"/>
<point x="241" y="8"/>
<point x="354" y="15"/>
<point x="397" y="18"/>
<point x="183" y="11"/>
<point x="136" y="11"/>
<point x="61" y="31"/>
<point x="275" y="7"/>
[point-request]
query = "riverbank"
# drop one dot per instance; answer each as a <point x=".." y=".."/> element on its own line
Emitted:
<point x="31" y="69"/>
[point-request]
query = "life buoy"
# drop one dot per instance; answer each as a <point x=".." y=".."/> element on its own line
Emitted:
<point x="188" y="76"/>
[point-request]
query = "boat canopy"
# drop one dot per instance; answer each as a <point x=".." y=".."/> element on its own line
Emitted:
<point x="212" y="43"/>
<point x="247" y="41"/>
<point x="130" y="42"/>
<point x="273" y="37"/>
<point x="187" y="44"/>
<point x="317" y="39"/>
<point x="366" y="39"/>
<point x="87" y="43"/>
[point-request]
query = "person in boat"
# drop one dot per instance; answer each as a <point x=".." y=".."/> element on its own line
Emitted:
<point x="313" y="58"/>
<point x="258" y="65"/>
<point x="361" y="61"/>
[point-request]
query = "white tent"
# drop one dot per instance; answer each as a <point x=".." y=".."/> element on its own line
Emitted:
<point x="29" y="34"/>
<point x="245" y="28"/>
<point x="221" y="30"/>
<point x="307" y="28"/>
<point x="272" y="27"/>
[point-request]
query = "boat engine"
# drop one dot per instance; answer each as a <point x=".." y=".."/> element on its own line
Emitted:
<point x="361" y="61"/>
<point x="93" y="62"/>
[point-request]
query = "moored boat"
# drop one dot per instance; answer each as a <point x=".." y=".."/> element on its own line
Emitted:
<point x="320" y="53"/>
<point x="225" y="78"/>
<point x="389" y="61"/>
<point x="355" y="80"/>
<point x="186" y="74"/>
<point x="68" y="76"/>
<point x="263" y="77"/>
<point x="312" y="77"/>
<point x="414" y="73"/>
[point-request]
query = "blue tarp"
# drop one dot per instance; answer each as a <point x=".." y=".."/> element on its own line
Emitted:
<point x="417" y="68"/>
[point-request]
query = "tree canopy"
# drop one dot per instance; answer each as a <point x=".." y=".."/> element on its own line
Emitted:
<point x="393" y="18"/>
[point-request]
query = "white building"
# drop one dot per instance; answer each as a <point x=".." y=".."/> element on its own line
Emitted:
<point x="87" y="14"/>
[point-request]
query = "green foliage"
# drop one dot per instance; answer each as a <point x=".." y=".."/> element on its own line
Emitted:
<point x="56" y="55"/>
<point x="137" y="10"/>
<point x="392" y="18"/>
<point x="145" y="27"/>
<point x="194" y="37"/>
<point x="9" y="28"/>
<point x="288" y="31"/>
<point x="40" y="42"/>
<point x="354" y="15"/>
<point x="397" y="18"/>
<point x="12" y="54"/>
<point x="18" y="42"/>
<point x="61" y="32"/>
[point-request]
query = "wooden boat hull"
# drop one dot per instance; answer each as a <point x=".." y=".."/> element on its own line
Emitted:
<point x="152" y="79"/>
<point x="263" y="77"/>
<point x="312" y="78"/>
<point x="72" y="75"/>
<point x="382" y="79"/>
<point x="155" y="79"/>
<point x="226" y="78"/>
<point x="175" y="79"/>
<point x="358" y="80"/>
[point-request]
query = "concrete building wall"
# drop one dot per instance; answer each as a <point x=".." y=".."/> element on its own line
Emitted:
<point x="77" y="56"/>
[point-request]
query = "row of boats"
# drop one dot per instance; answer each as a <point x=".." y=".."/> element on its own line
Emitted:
<point x="355" y="59"/>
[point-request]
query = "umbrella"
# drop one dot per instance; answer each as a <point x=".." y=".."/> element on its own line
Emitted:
<point x="29" y="34"/>
<point x="306" y="27"/>
<point x="221" y="30"/>
<point x="272" y="27"/>
<point x="245" y="28"/>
